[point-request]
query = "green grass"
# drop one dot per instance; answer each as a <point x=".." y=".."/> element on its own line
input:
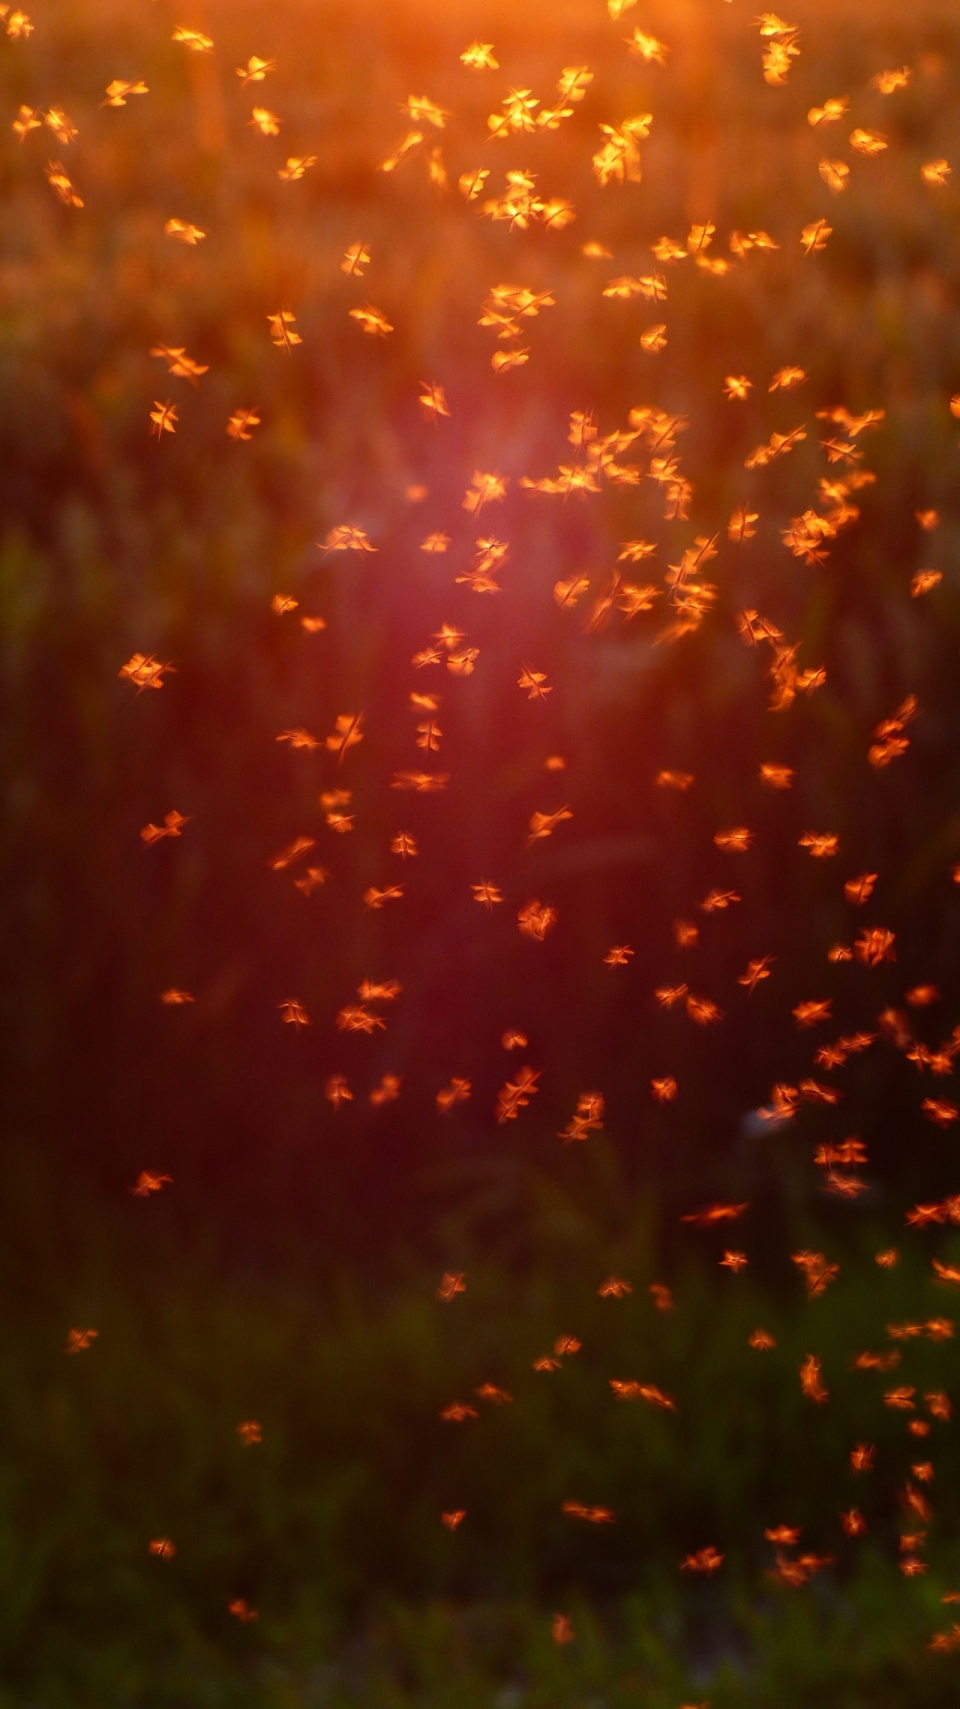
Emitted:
<point x="330" y="1527"/>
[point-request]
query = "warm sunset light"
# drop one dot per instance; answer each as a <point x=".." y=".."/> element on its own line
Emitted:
<point x="481" y="630"/>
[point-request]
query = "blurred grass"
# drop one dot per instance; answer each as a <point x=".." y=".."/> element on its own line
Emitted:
<point x="290" y="1276"/>
<point x="177" y="549"/>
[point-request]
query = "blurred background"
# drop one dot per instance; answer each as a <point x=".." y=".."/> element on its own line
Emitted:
<point x="288" y="1274"/>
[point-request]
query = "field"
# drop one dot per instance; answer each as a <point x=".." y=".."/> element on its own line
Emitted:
<point x="287" y="1272"/>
